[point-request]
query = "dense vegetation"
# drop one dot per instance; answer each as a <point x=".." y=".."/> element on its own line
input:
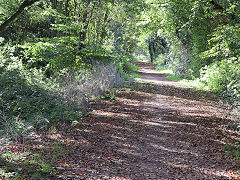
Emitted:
<point x="199" y="40"/>
<point x="55" y="54"/>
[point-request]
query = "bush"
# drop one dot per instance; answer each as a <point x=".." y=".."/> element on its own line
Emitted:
<point x="179" y="60"/>
<point x="125" y="66"/>
<point x="26" y="107"/>
<point x="223" y="77"/>
<point x="30" y="100"/>
<point x="223" y="74"/>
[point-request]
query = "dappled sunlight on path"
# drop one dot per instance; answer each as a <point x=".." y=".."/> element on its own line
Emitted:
<point x="150" y="75"/>
<point x="151" y="131"/>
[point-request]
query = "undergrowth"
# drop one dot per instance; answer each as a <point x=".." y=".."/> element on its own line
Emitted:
<point x="39" y="92"/>
<point x="168" y="72"/>
<point x="31" y="165"/>
<point x="27" y="108"/>
<point x="232" y="151"/>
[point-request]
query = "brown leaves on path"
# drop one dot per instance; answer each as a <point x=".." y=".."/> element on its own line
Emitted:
<point x="151" y="131"/>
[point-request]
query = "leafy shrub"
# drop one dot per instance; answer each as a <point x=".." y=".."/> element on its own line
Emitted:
<point x="125" y="66"/>
<point x="223" y="77"/>
<point x="26" y="107"/>
<point x="223" y="74"/>
<point x="51" y="55"/>
<point x="224" y="43"/>
<point x="30" y="100"/>
<point x="179" y="60"/>
<point x="161" y="59"/>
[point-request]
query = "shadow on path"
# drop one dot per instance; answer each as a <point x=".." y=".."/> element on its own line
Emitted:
<point x="151" y="131"/>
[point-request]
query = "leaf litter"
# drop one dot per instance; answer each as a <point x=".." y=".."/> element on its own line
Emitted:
<point x="155" y="129"/>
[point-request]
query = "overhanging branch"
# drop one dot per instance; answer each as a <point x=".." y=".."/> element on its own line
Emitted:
<point x="21" y="8"/>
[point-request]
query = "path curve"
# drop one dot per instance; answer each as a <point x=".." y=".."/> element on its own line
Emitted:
<point x="155" y="129"/>
<point x="152" y="130"/>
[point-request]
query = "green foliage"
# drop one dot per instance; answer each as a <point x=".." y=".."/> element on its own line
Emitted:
<point x="29" y="24"/>
<point x="233" y="151"/>
<point x="52" y="55"/>
<point x="224" y="43"/>
<point x="223" y="77"/>
<point x="110" y="95"/>
<point x="161" y="68"/>
<point x="223" y="74"/>
<point x="125" y="66"/>
<point x="17" y="166"/>
<point x="26" y="107"/>
<point x="157" y="46"/>
<point x="180" y="60"/>
<point x="128" y="66"/>
<point x="174" y="78"/>
<point x="161" y="59"/>
<point x="27" y="100"/>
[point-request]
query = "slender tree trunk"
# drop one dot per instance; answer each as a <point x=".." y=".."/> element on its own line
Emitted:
<point x="86" y="21"/>
<point x="66" y="8"/>
<point x="98" y="28"/>
<point x="103" y="32"/>
<point x="25" y="4"/>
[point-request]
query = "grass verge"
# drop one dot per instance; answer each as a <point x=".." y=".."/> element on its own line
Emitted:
<point x="168" y="72"/>
<point x="231" y="150"/>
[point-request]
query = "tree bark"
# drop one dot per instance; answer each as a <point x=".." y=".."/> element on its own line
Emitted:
<point x="86" y="20"/>
<point x="25" y="4"/>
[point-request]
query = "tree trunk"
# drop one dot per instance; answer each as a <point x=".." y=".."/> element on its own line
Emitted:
<point x="103" y="32"/>
<point x="86" y="20"/>
<point x="66" y="8"/>
<point x="25" y="4"/>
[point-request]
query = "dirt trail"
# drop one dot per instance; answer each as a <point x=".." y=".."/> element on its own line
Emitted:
<point x="155" y="129"/>
<point x="151" y="131"/>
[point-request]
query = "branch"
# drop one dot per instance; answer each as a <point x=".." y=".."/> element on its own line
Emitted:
<point x="25" y="4"/>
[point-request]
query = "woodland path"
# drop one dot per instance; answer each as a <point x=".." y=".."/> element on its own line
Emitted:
<point x="155" y="129"/>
